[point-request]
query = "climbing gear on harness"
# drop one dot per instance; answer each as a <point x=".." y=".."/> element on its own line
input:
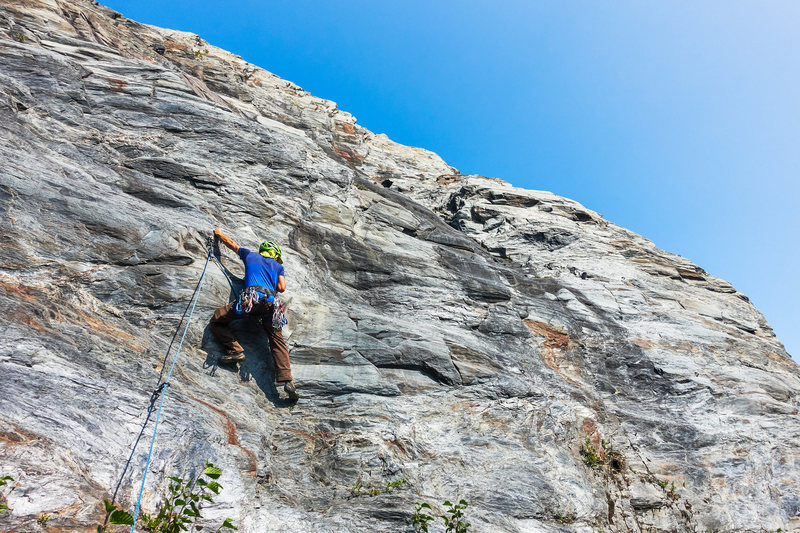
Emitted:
<point x="249" y="297"/>
<point x="291" y="390"/>
<point x="270" y="250"/>
<point x="278" y="314"/>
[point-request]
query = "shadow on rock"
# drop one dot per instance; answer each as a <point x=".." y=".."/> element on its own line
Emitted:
<point x="257" y="365"/>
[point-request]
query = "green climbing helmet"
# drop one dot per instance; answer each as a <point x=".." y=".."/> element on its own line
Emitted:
<point x="270" y="250"/>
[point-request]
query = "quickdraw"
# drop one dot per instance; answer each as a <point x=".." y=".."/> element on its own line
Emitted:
<point x="247" y="299"/>
<point x="278" y="314"/>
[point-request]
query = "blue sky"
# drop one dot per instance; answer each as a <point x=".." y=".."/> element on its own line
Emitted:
<point x="678" y="120"/>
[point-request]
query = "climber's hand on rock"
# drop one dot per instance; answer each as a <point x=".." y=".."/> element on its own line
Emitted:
<point x="227" y="241"/>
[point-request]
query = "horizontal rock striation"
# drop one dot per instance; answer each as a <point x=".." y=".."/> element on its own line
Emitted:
<point x="480" y="341"/>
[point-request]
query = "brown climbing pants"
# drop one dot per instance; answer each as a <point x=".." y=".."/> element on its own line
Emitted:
<point x="219" y="326"/>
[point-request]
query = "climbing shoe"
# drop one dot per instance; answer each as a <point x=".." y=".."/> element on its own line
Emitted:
<point x="232" y="356"/>
<point x="291" y="390"/>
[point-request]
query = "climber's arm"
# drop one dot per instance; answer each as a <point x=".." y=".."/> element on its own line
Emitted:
<point x="281" y="284"/>
<point x="227" y="241"/>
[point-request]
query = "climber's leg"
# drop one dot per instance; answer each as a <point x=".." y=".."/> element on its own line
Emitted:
<point x="277" y="346"/>
<point x="219" y="326"/>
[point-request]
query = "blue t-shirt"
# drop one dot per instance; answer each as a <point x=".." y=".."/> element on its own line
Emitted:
<point x="260" y="271"/>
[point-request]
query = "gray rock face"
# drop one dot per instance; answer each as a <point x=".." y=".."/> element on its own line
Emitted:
<point x="453" y="331"/>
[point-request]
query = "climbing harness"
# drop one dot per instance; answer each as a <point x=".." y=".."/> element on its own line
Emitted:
<point x="162" y="387"/>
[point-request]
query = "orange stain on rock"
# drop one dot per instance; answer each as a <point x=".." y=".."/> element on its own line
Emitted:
<point x="172" y="45"/>
<point x="556" y="343"/>
<point x="351" y="157"/>
<point x="346" y="127"/>
<point x="233" y="436"/>
<point x="118" y="85"/>
<point x="644" y="343"/>
<point x="17" y="289"/>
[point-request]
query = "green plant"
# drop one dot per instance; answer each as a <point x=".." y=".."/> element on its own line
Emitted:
<point x="397" y="484"/>
<point x="420" y="519"/>
<point x="453" y="519"/>
<point x="592" y="457"/>
<point x="667" y="486"/>
<point x="19" y="37"/>
<point x="114" y="516"/>
<point x="3" y="482"/>
<point x="671" y="492"/>
<point x="355" y="490"/>
<point x="43" y="519"/>
<point x="179" y="510"/>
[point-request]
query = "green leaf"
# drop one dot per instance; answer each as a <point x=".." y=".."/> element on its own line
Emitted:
<point x="121" y="517"/>
<point x="228" y="523"/>
<point x="214" y="487"/>
<point x="207" y="498"/>
<point x="109" y="506"/>
<point x="212" y="471"/>
<point x="176" y="479"/>
<point x="180" y="502"/>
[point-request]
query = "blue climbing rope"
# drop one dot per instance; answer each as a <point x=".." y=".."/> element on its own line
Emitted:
<point x="163" y="387"/>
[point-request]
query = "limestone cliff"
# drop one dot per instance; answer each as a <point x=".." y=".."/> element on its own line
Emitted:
<point x="450" y="330"/>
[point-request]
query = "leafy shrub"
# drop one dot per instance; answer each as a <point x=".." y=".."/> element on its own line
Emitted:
<point x="397" y="484"/>
<point x="180" y="509"/>
<point x="592" y="457"/>
<point x="453" y="519"/>
<point x="356" y="489"/>
<point x="454" y="523"/>
<point x="420" y="518"/>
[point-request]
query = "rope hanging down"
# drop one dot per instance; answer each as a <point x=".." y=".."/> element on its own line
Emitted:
<point x="162" y="388"/>
<point x="224" y="272"/>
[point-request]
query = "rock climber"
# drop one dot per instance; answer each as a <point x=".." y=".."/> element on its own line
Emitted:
<point x="263" y="279"/>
